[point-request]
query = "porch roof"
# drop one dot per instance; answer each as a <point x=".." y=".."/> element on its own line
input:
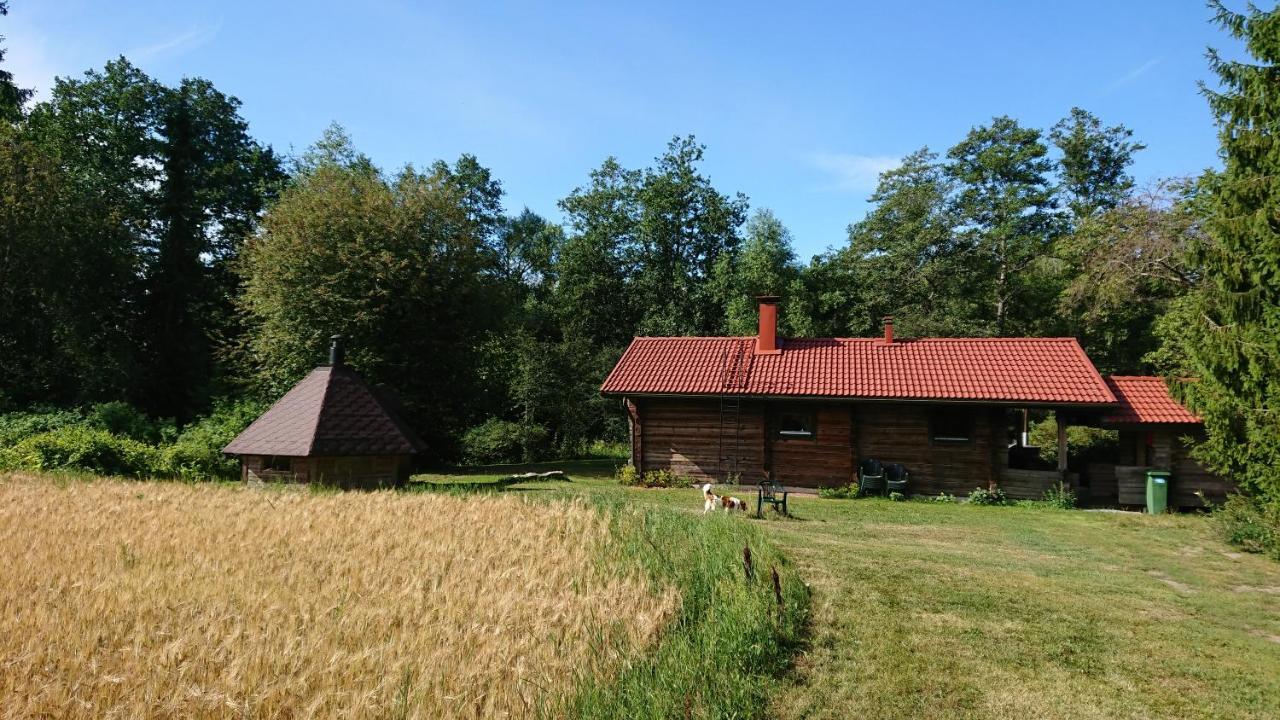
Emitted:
<point x="1145" y="400"/>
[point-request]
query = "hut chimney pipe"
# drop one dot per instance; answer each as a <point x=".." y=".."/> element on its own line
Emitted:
<point x="888" y="329"/>
<point x="335" y="351"/>
<point x="767" y="335"/>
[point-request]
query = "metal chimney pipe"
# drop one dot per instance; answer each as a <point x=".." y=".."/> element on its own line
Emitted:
<point x="335" y="351"/>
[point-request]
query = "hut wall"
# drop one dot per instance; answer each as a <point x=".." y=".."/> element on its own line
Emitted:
<point x="902" y="433"/>
<point x="360" y="471"/>
<point x="253" y="468"/>
<point x="1162" y="448"/>
<point x="824" y="460"/>
<point x="1031" y="484"/>
<point x="686" y="437"/>
<point x="357" y="471"/>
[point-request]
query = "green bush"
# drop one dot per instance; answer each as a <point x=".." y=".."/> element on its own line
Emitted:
<point x="121" y="418"/>
<point x="943" y="498"/>
<point x="627" y="475"/>
<point x="115" y="438"/>
<point x="77" y="447"/>
<point x="606" y="450"/>
<point x="983" y="496"/>
<point x="1084" y="444"/>
<point x="1060" y="496"/>
<point x="19" y="425"/>
<point x="501" y="441"/>
<point x="1250" y="524"/>
<point x="897" y="496"/>
<point x="117" y="418"/>
<point x="196" y="454"/>
<point x="840" y="492"/>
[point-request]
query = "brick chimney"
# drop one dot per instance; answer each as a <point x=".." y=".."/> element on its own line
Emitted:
<point x="767" y="336"/>
<point x="888" y="329"/>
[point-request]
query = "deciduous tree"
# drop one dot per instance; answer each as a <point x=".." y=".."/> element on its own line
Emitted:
<point x="765" y="264"/>
<point x="1125" y="266"/>
<point x="395" y="264"/>
<point x="1006" y="210"/>
<point x="1094" y="167"/>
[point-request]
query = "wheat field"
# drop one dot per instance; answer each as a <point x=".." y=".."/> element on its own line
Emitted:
<point x="136" y="599"/>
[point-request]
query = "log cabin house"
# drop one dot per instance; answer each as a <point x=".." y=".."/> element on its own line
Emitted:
<point x="805" y="412"/>
<point x="331" y="428"/>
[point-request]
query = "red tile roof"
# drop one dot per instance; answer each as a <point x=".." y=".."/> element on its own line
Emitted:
<point x="1145" y="400"/>
<point x="329" y="412"/>
<point x="1039" y="370"/>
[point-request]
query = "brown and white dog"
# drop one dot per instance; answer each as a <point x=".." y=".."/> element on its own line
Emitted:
<point x="710" y="501"/>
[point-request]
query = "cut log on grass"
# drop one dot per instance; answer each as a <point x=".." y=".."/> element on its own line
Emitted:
<point x="503" y="482"/>
<point x="534" y="476"/>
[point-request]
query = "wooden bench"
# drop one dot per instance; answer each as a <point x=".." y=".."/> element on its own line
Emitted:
<point x="774" y="494"/>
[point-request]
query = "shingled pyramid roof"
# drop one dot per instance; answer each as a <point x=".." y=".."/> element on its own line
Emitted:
<point x="330" y="412"/>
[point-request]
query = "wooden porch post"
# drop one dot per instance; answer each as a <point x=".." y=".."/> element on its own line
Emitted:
<point x="1062" y="446"/>
<point x="637" y="435"/>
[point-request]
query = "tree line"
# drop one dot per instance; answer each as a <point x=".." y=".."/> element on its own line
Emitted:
<point x="152" y="250"/>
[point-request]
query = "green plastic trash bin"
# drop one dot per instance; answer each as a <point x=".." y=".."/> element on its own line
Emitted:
<point x="1157" y="491"/>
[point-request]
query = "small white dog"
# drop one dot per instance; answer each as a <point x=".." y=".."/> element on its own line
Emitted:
<point x="710" y="501"/>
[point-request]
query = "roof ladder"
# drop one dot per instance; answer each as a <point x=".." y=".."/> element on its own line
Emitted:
<point x="735" y="366"/>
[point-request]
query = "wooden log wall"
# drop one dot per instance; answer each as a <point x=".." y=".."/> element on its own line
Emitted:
<point x="1170" y="454"/>
<point x="252" y="470"/>
<point x="1102" y="482"/>
<point x="1131" y="484"/>
<point x="1031" y="484"/>
<point x="824" y="460"/>
<point x="359" y="471"/>
<point x="901" y="433"/>
<point x="684" y="436"/>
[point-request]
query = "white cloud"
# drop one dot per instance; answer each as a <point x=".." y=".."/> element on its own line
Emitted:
<point x="1133" y="74"/>
<point x="854" y="173"/>
<point x="189" y="40"/>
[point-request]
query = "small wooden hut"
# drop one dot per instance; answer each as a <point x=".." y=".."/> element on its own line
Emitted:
<point x="1153" y="432"/>
<point x="330" y="428"/>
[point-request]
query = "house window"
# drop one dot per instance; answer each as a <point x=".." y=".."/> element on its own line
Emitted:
<point x="952" y="426"/>
<point x="277" y="463"/>
<point x="796" y="425"/>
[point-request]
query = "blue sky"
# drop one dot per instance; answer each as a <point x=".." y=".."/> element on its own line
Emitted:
<point x="799" y="104"/>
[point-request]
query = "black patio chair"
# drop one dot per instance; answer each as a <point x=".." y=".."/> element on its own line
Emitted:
<point x="870" y="477"/>
<point x="895" y="476"/>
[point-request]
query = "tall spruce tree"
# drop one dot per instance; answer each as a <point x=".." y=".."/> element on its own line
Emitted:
<point x="1227" y="334"/>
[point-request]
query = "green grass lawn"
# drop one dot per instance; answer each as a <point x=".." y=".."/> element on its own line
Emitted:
<point x="951" y="611"/>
